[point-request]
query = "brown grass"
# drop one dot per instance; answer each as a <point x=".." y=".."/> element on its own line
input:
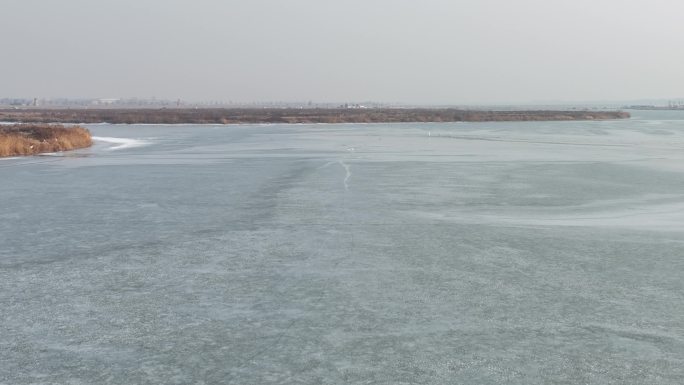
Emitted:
<point x="31" y="139"/>
<point x="292" y="115"/>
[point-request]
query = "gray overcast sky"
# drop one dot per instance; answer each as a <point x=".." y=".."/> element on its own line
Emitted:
<point x="429" y="51"/>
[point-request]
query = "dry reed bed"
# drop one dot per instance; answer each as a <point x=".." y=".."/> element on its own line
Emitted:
<point x="31" y="139"/>
<point x="292" y="115"/>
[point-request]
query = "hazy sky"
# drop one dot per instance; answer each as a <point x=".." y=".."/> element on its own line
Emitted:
<point x="429" y="51"/>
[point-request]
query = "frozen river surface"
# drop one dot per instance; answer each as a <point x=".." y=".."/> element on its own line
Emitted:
<point x="485" y="253"/>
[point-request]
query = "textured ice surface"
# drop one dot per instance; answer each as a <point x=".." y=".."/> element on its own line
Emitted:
<point x="488" y="253"/>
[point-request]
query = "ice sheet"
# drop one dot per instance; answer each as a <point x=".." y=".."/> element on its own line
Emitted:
<point x="470" y="253"/>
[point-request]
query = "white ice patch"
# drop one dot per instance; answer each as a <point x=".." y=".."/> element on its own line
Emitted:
<point x="121" y="143"/>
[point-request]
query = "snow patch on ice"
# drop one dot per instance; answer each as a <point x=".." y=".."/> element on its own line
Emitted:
<point x="121" y="143"/>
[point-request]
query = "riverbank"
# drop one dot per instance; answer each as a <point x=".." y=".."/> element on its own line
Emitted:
<point x="32" y="139"/>
<point x="291" y="115"/>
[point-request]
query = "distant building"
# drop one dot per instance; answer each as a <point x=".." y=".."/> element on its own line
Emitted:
<point x="104" y="102"/>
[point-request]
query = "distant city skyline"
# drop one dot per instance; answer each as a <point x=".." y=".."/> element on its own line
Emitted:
<point x="438" y="52"/>
<point x="153" y="101"/>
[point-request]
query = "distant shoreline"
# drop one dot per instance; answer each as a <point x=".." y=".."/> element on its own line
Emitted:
<point x="292" y="115"/>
